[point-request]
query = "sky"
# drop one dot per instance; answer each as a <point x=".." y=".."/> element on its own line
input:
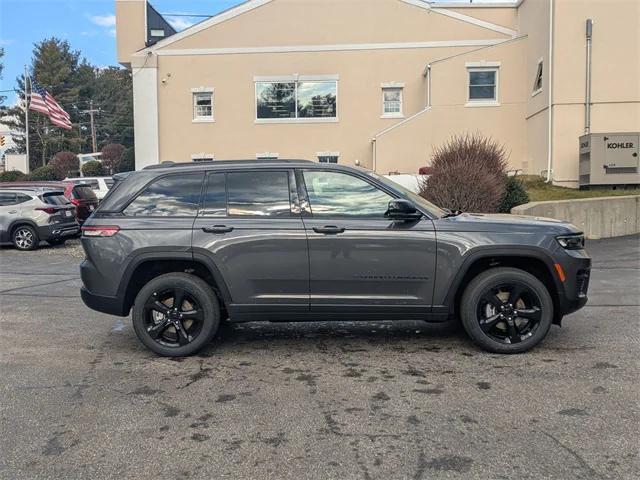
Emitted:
<point x="88" y="25"/>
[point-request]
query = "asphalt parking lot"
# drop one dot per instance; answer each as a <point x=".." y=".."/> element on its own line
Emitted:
<point x="81" y="398"/>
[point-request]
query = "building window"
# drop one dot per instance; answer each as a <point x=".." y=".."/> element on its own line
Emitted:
<point x="392" y="102"/>
<point x="157" y="32"/>
<point x="328" y="157"/>
<point x="302" y="99"/>
<point x="267" y="156"/>
<point x="483" y="85"/>
<point x="537" y="84"/>
<point x="202" y="105"/>
<point x="202" y="157"/>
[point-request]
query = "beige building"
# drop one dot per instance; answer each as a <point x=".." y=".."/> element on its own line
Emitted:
<point x="380" y="83"/>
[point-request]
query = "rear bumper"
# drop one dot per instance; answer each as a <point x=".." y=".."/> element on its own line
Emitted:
<point x="61" y="230"/>
<point x="100" y="303"/>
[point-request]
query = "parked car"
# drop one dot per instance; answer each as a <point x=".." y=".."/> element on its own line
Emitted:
<point x="99" y="185"/>
<point x="28" y="216"/>
<point x="81" y="195"/>
<point x="186" y="246"/>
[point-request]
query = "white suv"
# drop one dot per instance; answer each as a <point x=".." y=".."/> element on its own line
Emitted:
<point x="99" y="185"/>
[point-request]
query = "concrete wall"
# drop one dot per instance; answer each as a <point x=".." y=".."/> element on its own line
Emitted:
<point x="597" y="217"/>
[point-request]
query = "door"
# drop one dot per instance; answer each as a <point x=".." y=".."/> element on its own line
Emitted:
<point x="359" y="260"/>
<point x="8" y="213"/>
<point x="249" y="228"/>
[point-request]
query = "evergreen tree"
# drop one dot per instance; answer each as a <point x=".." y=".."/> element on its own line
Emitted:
<point x="2" y="97"/>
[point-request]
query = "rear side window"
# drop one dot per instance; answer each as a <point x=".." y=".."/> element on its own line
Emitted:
<point x="258" y="193"/>
<point x="215" y="197"/>
<point x="84" y="193"/>
<point x="22" y="198"/>
<point x="54" y="198"/>
<point x="7" y="198"/>
<point x="173" y="195"/>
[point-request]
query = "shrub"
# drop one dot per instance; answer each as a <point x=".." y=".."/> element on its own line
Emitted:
<point x="514" y="194"/>
<point x="65" y="164"/>
<point x="467" y="173"/>
<point x="12" y="176"/>
<point x="92" y="169"/>
<point x="112" y="157"/>
<point x="44" y="173"/>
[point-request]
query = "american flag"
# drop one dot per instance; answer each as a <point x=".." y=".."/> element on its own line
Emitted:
<point x="43" y="102"/>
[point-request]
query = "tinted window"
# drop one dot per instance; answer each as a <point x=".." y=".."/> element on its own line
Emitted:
<point x="175" y="195"/>
<point x="22" y="198"/>
<point x="7" y="198"/>
<point x="263" y="193"/>
<point x="54" y="198"/>
<point x="339" y="194"/>
<point x="108" y="182"/>
<point x="215" y="199"/>
<point x="84" y="193"/>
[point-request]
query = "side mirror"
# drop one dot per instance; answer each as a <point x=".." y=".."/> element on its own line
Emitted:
<point x="402" y="210"/>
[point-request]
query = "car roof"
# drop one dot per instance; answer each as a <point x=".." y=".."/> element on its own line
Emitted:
<point x="32" y="190"/>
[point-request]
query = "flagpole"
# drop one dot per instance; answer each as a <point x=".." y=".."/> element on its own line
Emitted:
<point x="26" y="112"/>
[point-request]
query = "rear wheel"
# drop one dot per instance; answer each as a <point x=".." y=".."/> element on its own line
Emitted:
<point x="176" y="314"/>
<point x="25" y="237"/>
<point x="506" y="310"/>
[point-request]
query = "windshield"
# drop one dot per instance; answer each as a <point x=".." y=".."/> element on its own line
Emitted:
<point x="414" y="197"/>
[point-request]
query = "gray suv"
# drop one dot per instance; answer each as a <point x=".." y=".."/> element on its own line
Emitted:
<point x="185" y="246"/>
<point x="29" y="215"/>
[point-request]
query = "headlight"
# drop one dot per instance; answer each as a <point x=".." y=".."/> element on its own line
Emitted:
<point x="571" y="242"/>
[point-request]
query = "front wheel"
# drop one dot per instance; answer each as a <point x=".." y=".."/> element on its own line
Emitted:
<point x="506" y="310"/>
<point x="176" y="314"/>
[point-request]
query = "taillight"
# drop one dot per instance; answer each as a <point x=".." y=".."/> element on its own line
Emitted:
<point x="49" y="210"/>
<point x="100" y="231"/>
<point x="75" y="201"/>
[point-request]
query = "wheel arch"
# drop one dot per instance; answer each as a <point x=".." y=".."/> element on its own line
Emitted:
<point x="536" y="262"/>
<point x="150" y="265"/>
<point x="19" y="223"/>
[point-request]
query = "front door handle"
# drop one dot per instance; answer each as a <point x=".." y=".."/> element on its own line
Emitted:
<point x="217" y="229"/>
<point x="329" y="229"/>
<point x="13" y="211"/>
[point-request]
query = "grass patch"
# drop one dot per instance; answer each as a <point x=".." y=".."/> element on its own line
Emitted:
<point x="539" y="191"/>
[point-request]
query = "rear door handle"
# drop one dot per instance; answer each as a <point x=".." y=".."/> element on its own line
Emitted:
<point x="329" y="229"/>
<point x="217" y="229"/>
<point x="13" y="211"/>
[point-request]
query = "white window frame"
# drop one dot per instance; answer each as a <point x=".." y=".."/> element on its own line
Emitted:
<point x="267" y="156"/>
<point x="392" y="86"/>
<point x="483" y="66"/>
<point x="328" y="154"/>
<point x="296" y="78"/>
<point x="202" y="157"/>
<point x="194" y="93"/>
<point x="539" y="74"/>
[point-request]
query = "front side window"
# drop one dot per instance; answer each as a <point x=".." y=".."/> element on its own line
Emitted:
<point x="203" y="106"/>
<point x="214" y="203"/>
<point x="173" y="195"/>
<point x="335" y="194"/>
<point x="392" y="102"/>
<point x="258" y="193"/>
<point x="296" y="100"/>
<point x="483" y="84"/>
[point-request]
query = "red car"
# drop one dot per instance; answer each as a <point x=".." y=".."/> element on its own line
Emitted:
<point x="80" y="194"/>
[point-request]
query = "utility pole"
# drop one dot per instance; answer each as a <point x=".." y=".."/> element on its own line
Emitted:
<point x="91" y="112"/>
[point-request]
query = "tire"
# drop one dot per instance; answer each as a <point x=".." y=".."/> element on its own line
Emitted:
<point x="172" y="331"/>
<point x="497" y="323"/>
<point x="25" y="237"/>
<point x="57" y="241"/>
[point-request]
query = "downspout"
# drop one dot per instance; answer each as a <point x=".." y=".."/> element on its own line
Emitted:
<point x="587" y="99"/>
<point x="550" y="107"/>
<point x="428" y="103"/>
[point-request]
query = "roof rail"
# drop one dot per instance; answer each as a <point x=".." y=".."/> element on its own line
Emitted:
<point x="171" y="164"/>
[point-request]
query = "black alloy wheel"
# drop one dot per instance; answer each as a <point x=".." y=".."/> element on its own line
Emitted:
<point x="506" y="310"/>
<point x="176" y="314"/>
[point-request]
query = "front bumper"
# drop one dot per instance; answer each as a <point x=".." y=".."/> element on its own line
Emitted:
<point x="577" y="269"/>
